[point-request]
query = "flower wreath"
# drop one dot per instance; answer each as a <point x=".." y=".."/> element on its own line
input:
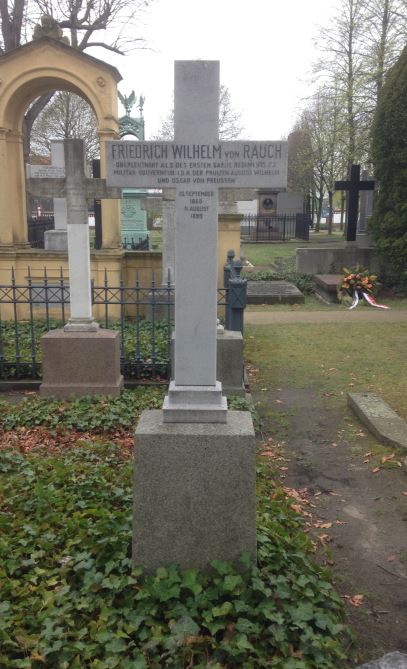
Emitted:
<point x="356" y="285"/>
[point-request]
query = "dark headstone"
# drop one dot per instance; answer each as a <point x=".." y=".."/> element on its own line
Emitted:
<point x="353" y="186"/>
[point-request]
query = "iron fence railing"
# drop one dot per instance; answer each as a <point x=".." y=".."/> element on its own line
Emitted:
<point x="37" y="228"/>
<point x="273" y="228"/>
<point x="143" y="315"/>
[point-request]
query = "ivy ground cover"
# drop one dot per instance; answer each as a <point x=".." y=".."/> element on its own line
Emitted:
<point x="70" y="599"/>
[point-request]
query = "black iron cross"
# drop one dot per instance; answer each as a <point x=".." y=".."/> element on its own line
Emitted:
<point x="353" y="185"/>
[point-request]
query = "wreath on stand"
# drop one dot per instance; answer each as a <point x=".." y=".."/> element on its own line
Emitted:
<point x="358" y="285"/>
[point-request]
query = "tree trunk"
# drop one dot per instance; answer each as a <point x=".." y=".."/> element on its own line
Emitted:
<point x="29" y="119"/>
<point x="330" y="216"/>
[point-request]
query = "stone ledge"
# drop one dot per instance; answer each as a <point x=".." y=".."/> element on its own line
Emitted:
<point x="273" y="292"/>
<point x="379" y="418"/>
<point x="326" y="286"/>
<point x="390" y="661"/>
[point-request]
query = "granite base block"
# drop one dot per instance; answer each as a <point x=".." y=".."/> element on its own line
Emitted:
<point x="80" y="363"/>
<point x="194" y="492"/>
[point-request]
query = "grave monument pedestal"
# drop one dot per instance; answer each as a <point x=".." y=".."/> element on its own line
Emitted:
<point x="194" y="491"/>
<point x="194" y="481"/>
<point x="81" y="363"/>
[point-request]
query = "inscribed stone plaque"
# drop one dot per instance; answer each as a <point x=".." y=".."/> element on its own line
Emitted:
<point x="220" y="164"/>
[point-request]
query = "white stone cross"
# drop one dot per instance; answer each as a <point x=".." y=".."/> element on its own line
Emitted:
<point x="196" y="164"/>
<point x="54" y="240"/>
<point x="78" y="191"/>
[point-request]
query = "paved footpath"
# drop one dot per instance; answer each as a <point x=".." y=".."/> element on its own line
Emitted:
<point x="329" y="316"/>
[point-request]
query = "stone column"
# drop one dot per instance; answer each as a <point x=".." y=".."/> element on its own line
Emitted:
<point x="110" y="208"/>
<point x="6" y="230"/>
<point x="17" y="206"/>
<point x="57" y="239"/>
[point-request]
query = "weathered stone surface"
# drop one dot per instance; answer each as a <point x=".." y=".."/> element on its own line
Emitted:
<point x="326" y="286"/>
<point x="273" y="292"/>
<point x="229" y="362"/>
<point x="81" y="363"/>
<point x="390" y="661"/>
<point x="325" y="260"/>
<point x="380" y="419"/>
<point x="194" y="491"/>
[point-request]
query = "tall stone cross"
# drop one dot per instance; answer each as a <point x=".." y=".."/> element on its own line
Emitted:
<point x="353" y="186"/>
<point x="78" y="191"/>
<point x="196" y="164"/>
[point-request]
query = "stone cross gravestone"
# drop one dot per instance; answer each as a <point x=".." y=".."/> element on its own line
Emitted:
<point x="196" y="164"/>
<point x="80" y="359"/>
<point x="194" y="483"/>
<point x="78" y="191"/>
<point x="354" y="185"/>
<point x="54" y="240"/>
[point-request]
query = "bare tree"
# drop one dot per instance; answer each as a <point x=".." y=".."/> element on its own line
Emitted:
<point x="229" y="120"/>
<point x="110" y="24"/>
<point x="67" y="116"/>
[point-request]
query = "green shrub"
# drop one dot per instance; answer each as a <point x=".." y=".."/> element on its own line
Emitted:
<point x="69" y="598"/>
<point x="389" y="152"/>
<point x="286" y="272"/>
<point x="98" y="412"/>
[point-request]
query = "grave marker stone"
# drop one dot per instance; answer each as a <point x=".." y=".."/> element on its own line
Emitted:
<point x="354" y="185"/>
<point x="73" y="185"/>
<point x="80" y="359"/>
<point x="196" y="164"/>
<point x="194" y="484"/>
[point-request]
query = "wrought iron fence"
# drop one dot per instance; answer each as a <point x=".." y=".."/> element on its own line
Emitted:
<point x="36" y="229"/>
<point x="133" y="244"/>
<point x="143" y="315"/>
<point x="273" y="228"/>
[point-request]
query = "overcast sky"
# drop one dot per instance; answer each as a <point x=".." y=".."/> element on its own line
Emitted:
<point x="265" y="49"/>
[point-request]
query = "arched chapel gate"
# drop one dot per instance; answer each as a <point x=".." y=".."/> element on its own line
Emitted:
<point x="27" y="72"/>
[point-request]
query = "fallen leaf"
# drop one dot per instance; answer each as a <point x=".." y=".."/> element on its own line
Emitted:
<point x="279" y="402"/>
<point x="404" y="493"/>
<point x="356" y="600"/>
<point x="375" y="470"/>
<point x="391" y="558"/>
<point x="386" y="458"/>
<point x="324" y="538"/>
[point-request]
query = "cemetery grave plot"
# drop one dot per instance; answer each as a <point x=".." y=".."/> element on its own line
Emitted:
<point x="352" y="486"/>
<point x="273" y="292"/>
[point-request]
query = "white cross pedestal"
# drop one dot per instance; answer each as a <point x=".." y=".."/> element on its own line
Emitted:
<point x="196" y="164"/>
<point x="194" y="482"/>
<point x="80" y="359"/>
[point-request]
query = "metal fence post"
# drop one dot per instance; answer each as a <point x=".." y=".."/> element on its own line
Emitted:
<point x="227" y="274"/>
<point x="237" y="296"/>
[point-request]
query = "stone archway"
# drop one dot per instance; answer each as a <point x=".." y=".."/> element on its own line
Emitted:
<point x="27" y="72"/>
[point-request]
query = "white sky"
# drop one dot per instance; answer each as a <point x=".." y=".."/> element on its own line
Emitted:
<point x="265" y="49"/>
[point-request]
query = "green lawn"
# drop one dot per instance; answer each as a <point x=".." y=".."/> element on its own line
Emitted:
<point x="265" y="254"/>
<point x="337" y="357"/>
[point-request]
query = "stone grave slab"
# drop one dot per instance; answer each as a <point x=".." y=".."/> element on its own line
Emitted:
<point x="326" y="287"/>
<point x="273" y="292"/>
<point x="390" y="661"/>
<point x="379" y="418"/>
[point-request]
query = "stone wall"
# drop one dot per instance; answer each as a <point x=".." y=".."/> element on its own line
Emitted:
<point x="332" y="260"/>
